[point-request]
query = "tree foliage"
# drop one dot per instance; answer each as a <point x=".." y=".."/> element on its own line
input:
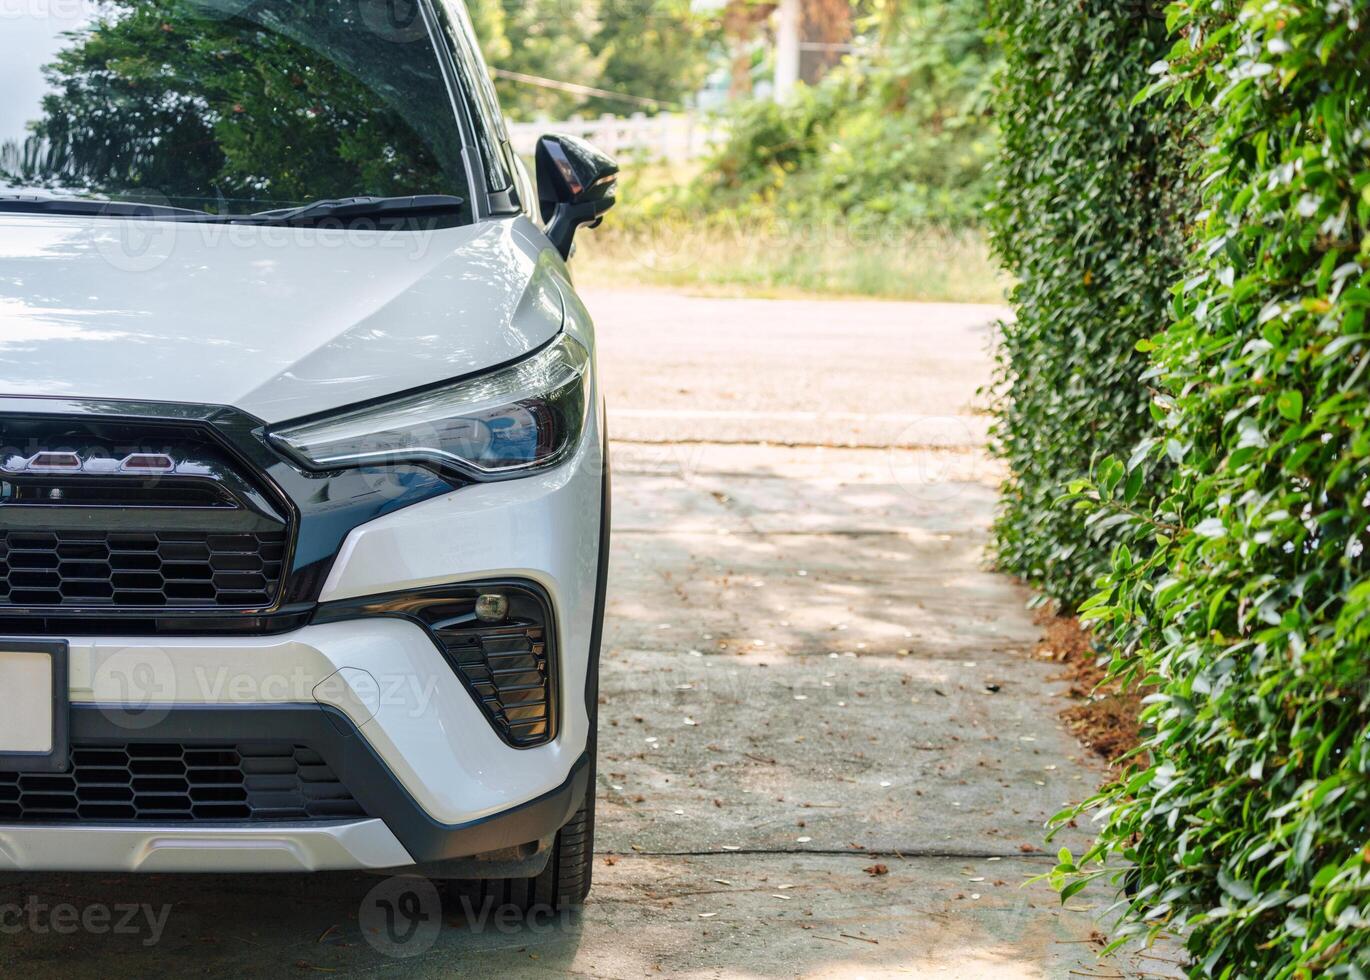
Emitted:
<point x="550" y="39"/>
<point x="657" y="49"/>
<point x="653" y="49"/>
<point x="897" y="135"/>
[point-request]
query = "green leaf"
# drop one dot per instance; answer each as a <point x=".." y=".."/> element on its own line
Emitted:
<point x="1135" y="478"/>
<point x="1073" y="888"/>
<point x="1324" y="876"/>
<point x="1219" y="347"/>
<point x="1110" y="474"/>
<point x="1290" y="405"/>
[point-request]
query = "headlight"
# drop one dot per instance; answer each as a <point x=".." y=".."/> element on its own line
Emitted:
<point x="506" y="423"/>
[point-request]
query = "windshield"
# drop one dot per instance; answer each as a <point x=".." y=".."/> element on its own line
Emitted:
<point x="225" y="106"/>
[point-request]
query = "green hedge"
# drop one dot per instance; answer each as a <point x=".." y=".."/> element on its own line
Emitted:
<point x="1083" y="220"/>
<point x="1238" y="592"/>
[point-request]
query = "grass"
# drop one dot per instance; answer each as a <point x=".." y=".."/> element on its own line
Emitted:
<point x="751" y="259"/>
<point x="652" y="240"/>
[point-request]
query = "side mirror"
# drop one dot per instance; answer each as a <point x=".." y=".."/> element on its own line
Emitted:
<point x="576" y="185"/>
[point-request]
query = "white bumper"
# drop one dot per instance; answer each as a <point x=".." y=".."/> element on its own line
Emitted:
<point x="386" y="675"/>
<point x="362" y="844"/>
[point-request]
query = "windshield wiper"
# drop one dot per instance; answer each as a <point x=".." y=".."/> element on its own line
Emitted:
<point x="344" y="209"/>
<point x="42" y="204"/>
<point x="350" y="208"/>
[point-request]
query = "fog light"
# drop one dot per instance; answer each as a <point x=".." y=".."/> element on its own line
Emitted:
<point x="492" y="608"/>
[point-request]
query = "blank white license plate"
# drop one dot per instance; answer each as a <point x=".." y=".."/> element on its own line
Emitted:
<point x="26" y="702"/>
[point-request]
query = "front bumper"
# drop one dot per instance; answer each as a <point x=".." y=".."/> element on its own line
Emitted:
<point x="397" y="831"/>
<point x="374" y="696"/>
<point x="355" y="845"/>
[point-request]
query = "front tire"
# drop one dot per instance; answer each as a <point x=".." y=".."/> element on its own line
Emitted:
<point x="562" y="886"/>
<point x="565" y="882"/>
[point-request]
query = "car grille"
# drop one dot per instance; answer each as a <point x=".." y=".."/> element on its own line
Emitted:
<point x="127" y="517"/>
<point x="171" y="782"/>
<point x="140" y="569"/>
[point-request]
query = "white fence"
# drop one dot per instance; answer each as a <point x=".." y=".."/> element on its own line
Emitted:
<point x="666" y="136"/>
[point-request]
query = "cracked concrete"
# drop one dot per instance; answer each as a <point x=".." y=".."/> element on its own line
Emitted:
<point x="827" y="749"/>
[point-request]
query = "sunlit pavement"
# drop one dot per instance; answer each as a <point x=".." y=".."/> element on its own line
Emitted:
<point x="827" y="748"/>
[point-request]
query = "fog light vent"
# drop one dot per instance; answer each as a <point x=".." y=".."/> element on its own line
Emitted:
<point x="508" y="672"/>
<point x="499" y="641"/>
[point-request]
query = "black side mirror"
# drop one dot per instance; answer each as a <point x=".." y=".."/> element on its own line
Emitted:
<point x="576" y="185"/>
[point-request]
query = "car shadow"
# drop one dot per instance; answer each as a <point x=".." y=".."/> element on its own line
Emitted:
<point x="113" y="927"/>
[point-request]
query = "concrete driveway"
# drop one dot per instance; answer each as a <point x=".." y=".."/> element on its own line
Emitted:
<point x="827" y="749"/>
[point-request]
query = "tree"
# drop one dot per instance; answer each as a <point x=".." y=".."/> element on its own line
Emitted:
<point x="653" y="49"/>
<point x="552" y="39"/>
<point x="657" y="49"/>
<point x="895" y="136"/>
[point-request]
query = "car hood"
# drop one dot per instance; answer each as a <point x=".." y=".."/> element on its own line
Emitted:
<point x="279" y="322"/>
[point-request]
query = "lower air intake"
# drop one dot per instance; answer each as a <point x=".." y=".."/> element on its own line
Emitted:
<point x="170" y="782"/>
<point x="508" y="672"/>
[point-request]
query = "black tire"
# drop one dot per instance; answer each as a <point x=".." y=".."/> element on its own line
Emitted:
<point x="565" y="882"/>
<point x="563" y="885"/>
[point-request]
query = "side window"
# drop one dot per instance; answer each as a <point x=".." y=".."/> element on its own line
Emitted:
<point x="478" y="91"/>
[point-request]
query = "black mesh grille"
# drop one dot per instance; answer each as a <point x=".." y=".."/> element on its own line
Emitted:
<point x="508" y="671"/>
<point x="130" y="516"/>
<point x="164" y="782"/>
<point x="140" y="568"/>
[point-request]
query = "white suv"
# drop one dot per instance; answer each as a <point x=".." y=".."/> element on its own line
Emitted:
<point x="303" y="483"/>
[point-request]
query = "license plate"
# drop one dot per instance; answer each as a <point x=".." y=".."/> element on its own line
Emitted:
<point x="34" y="708"/>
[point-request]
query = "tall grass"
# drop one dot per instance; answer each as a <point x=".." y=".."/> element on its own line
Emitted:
<point x="724" y="254"/>
<point x="667" y="231"/>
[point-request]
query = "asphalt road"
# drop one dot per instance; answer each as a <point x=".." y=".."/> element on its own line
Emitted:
<point x="827" y="749"/>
